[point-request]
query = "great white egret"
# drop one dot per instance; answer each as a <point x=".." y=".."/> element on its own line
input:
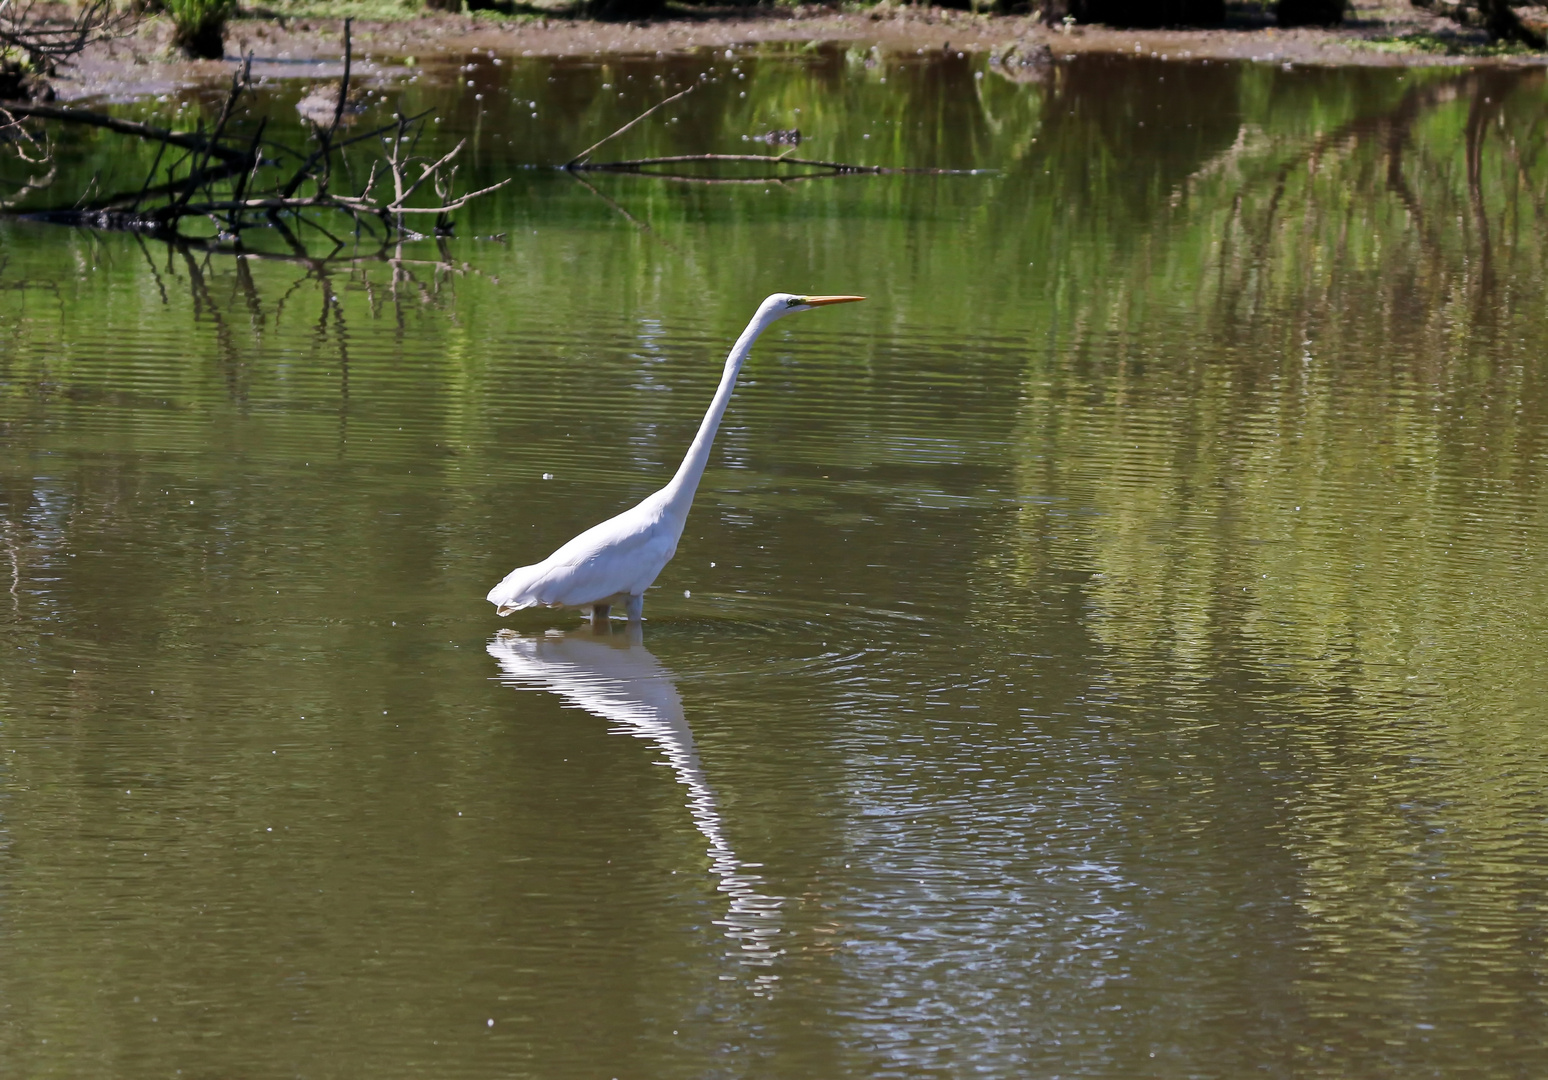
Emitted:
<point x="615" y="562"/>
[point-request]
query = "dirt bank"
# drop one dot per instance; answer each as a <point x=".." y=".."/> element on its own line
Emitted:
<point x="1381" y="32"/>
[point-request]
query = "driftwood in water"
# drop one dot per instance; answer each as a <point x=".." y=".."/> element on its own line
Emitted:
<point x="187" y="140"/>
<point x="773" y="167"/>
<point x="236" y="181"/>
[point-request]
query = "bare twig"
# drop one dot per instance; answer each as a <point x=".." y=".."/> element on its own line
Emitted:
<point x="185" y="139"/>
<point x="31" y="184"/>
<point x="338" y="106"/>
<point x="255" y="157"/>
<point x="348" y="203"/>
<point x="450" y="204"/>
<point x="578" y="161"/>
<point x="324" y="151"/>
<point x="642" y="226"/>
<point x="42" y="40"/>
<point x="581" y="162"/>
<point x="161" y="150"/>
<point x="192" y="186"/>
<point x="239" y="83"/>
<point x="836" y="167"/>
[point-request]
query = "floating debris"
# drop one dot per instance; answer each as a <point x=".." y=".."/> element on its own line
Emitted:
<point x="321" y="101"/>
<point x="791" y="137"/>
<point x="1022" y="64"/>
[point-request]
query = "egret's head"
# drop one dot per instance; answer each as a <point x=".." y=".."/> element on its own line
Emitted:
<point x="781" y="304"/>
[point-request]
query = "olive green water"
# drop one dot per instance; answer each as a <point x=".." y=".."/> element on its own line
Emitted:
<point x="1113" y="650"/>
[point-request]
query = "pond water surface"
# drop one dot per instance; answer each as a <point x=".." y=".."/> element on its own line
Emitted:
<point x="1115" y="649"/>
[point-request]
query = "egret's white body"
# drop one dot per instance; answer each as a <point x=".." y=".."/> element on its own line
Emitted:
<point x="616" y="561"/>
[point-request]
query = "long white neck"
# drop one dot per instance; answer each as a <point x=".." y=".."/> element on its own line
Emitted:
<point x="679" y="493"/>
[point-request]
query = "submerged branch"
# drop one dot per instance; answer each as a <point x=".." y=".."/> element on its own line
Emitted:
<point x="581" y="162"/>
<point x="188" y="140"/>
<point x="638" y="165"/>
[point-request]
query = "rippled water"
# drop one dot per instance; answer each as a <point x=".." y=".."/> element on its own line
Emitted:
<point x="1115" y="649"/>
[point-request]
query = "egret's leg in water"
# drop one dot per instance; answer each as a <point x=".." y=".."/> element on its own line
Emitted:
<point x="636" y="608"/>
<point x="599" y="616"/>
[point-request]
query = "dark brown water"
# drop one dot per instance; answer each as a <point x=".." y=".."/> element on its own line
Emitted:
<point x="1114" y="650"/>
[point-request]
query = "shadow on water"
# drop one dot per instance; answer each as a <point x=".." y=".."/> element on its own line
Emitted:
<point x="616" y="678"/>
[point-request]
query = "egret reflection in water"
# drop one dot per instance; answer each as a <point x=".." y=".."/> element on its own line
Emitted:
<point x="615" y="678"/>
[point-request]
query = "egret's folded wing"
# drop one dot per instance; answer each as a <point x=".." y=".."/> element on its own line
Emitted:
<point x="620" y="556"/>
<point x="626" y="567"/>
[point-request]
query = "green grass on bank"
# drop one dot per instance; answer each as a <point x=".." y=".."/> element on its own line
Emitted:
<point x="399" y="10"/>
<point x="1430" y="44"/>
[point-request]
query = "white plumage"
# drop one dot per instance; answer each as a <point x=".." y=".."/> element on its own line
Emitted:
<point x="616" y="561"/>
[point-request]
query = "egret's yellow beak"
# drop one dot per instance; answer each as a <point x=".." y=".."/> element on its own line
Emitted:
<point x="818" y="301"/>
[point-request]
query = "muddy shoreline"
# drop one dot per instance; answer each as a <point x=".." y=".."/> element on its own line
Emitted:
<point x="139" y="65"/>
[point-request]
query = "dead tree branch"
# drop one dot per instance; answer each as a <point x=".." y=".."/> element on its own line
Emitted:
<point x="774" y="166"/>
<point x="34" y="41"/>
<point x="835" y="168"/>
<point x="239" y="182"/>
<point x="579" y="160"/>
<point x="188" y="140"/>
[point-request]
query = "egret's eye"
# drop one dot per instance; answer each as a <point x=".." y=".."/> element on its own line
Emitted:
<point x="795" y="301"/>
